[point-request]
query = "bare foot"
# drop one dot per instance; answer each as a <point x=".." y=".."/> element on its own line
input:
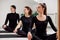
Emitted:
<point x="4" y="26"/>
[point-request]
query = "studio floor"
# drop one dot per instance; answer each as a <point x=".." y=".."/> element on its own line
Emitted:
<point x="13" y="36"/>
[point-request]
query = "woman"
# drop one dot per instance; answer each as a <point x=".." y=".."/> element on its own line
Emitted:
<point x="26" y="22"/>
<point x="12" y="17"/>
<point x="41" y="21"/>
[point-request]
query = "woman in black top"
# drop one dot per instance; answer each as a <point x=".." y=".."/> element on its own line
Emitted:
<point x="26" y="21"/>
<point x="41" y="21"/>
<point x="12" y="17"/>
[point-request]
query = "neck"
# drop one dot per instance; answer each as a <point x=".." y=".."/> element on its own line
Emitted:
<point x="26" y="15"/>
<point x="40" y="14"/>
<point x="12" y="12"/>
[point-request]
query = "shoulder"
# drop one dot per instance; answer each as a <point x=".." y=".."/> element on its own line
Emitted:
<point x="34" y="18"/>
<point x="22" y="16"/>
<point x="48" y="17"/>
<point x="8" y="14"/>
<point x="17" y="13"/>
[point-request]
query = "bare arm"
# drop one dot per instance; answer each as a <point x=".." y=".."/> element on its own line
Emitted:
<point x="18" y="26"/>
<point x="34" y="27"/>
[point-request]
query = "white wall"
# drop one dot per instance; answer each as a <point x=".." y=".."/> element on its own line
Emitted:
<point x="52" y="7"/>
<point x="5" y="8"/>
<point x="5" y="5"/>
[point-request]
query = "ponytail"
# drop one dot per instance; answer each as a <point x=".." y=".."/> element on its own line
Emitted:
<point x="45" y="8"/>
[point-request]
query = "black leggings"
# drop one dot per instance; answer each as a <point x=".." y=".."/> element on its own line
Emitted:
<point x="35" y="37"/>
<point x="50" y="37"/>
<point x="22" y="33"/>
<point x="8" y="29"/>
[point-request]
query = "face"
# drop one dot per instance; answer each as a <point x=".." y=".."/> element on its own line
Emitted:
<point x="40" y="9"/>
<point x="12" y="9"/>
<point x="26" y="10"/>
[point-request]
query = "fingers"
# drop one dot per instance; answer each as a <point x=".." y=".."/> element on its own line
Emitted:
<point x="29" y="36"/>
<point x="15" y="31"/>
